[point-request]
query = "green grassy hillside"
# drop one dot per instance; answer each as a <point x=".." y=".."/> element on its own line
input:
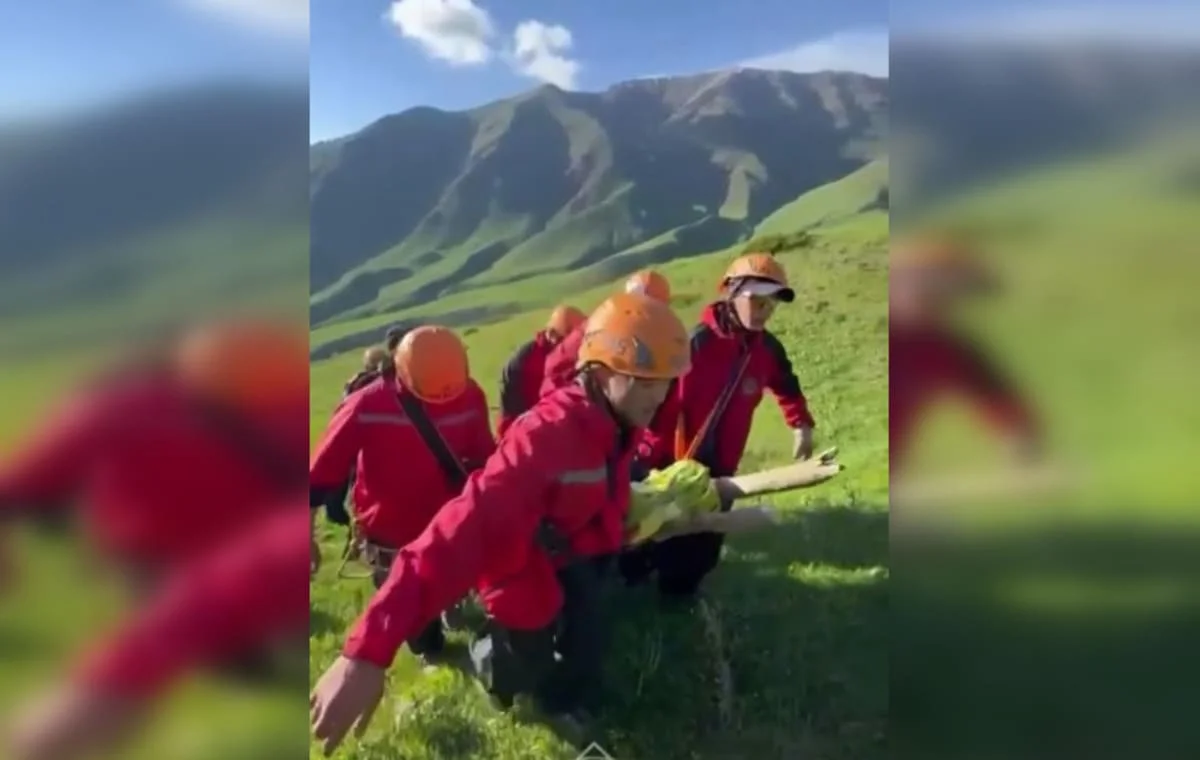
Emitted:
<point x="864" y="191"/>
<point x="426" y="205"/>
<point x="840" y="210"/>
<point x="1061" y="590"/>
<point x="801" y="612"/>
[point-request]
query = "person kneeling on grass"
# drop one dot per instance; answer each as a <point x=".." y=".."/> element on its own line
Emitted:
<point x="415" y="434"/>
<point x="708" y="415"/>
<point x="529" y="532"/>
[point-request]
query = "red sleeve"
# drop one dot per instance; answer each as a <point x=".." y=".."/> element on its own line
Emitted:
<point x="244" y="595"/>
<point x="339" y="446"/>
<point x="53" y="465"/>
<point x="784" y="384"/>
<point x="473" y="535"/>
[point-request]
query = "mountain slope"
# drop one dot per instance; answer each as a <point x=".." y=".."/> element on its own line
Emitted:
<point x="970" y="113"/>
<point x="167" y="204"/>
<point x="863" y="191"/>
<point x="426" y="203"/>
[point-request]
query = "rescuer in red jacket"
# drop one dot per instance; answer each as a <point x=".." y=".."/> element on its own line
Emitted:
<point x="172" y="463"/>
<point x="397" y="430"/>
<point x="521" y="380"/>
<point x="562" y="360"/>
<point x="168" y="460"/>
<point x="555" y="494"/>
<point x="930" y="359"/>
<point x="243" y="597"/>
<point x="708" y="416"/>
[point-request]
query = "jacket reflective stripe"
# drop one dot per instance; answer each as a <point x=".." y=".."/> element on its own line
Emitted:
<point x="583" y="477"/>
<point x="377" y="418"/>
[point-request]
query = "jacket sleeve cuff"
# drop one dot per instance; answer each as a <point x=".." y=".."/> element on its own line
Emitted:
<point x="389" y="620"/>
<point x="800" y="417"/>
<point x="372" y="650"/>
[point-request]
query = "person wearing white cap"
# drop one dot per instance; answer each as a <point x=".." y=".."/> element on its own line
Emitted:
<point x="708" y="416"/>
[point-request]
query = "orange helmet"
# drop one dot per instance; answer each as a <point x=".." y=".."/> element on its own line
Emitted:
<point x="636" y="335"/>
<point x="758" y="274"/>
<point x="564" y="319"/>
<point x="248" y="365"/>
<point x="943" y="258"/>
<point x="431" y="362"/>
<point x="650" y="283"/>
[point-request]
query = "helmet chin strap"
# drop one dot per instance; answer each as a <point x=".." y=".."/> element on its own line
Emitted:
<point x="731" y="293"/>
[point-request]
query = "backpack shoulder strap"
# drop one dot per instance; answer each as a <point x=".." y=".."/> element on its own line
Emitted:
<point x="286" y="471"/>
<point x="452" y="468"/>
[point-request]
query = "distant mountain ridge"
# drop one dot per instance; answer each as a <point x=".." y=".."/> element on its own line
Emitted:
<point x="427" y="202"/>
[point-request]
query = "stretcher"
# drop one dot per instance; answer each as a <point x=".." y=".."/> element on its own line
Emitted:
<point x="682" y="499"/>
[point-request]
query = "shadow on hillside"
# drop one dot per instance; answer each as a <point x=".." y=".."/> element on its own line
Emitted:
<point x="363" y="288"/>
<point x="771" y="665"/>
<point x="1075" y="642"/>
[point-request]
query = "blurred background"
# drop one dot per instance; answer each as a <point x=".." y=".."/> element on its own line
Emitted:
<point x="153" y="175"/>
<point x="1044" y="592"/>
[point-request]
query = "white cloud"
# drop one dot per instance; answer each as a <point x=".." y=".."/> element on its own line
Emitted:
<point x="456" y="31"/>
<point x="540" y="52"/>
<point x="864" y="51"/>
<point x="280" y="17"/>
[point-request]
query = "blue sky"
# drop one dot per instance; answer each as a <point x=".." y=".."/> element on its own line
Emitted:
<point x="369" y="58"/>
<point x="58" y="55"/>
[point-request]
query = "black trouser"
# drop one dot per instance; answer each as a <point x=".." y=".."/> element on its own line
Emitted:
<point x="682" y="562"/>
<point x="432" y="639"/>
<point x="513" y="662"/>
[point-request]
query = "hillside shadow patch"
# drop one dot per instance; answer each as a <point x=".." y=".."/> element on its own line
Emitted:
<point x="846" y="537"/>
<point x="1047" y="643"/>
<point x="787" y="657"/>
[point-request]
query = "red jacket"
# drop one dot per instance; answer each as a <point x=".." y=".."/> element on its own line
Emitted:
<point x="560" y="367"/>
<point x="245" y="594"/>
<point x="399" y="485"/>
<point x="565" y="463"/>
<point x="521" y="380"/>
<point x="158" y="478"/>
<point x="928" y="363"/>
<point x="718" y="349"/>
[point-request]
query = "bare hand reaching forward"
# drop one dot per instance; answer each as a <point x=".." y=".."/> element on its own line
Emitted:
<point x="345" y="697"/>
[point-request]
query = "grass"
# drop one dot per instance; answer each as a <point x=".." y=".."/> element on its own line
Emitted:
<point x="829" y="204"/>
<point x="800" y="667"/>
<point x="465" y="305"/>
<point x="1096" y="262"/>
<point x="1082" y="600"/>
